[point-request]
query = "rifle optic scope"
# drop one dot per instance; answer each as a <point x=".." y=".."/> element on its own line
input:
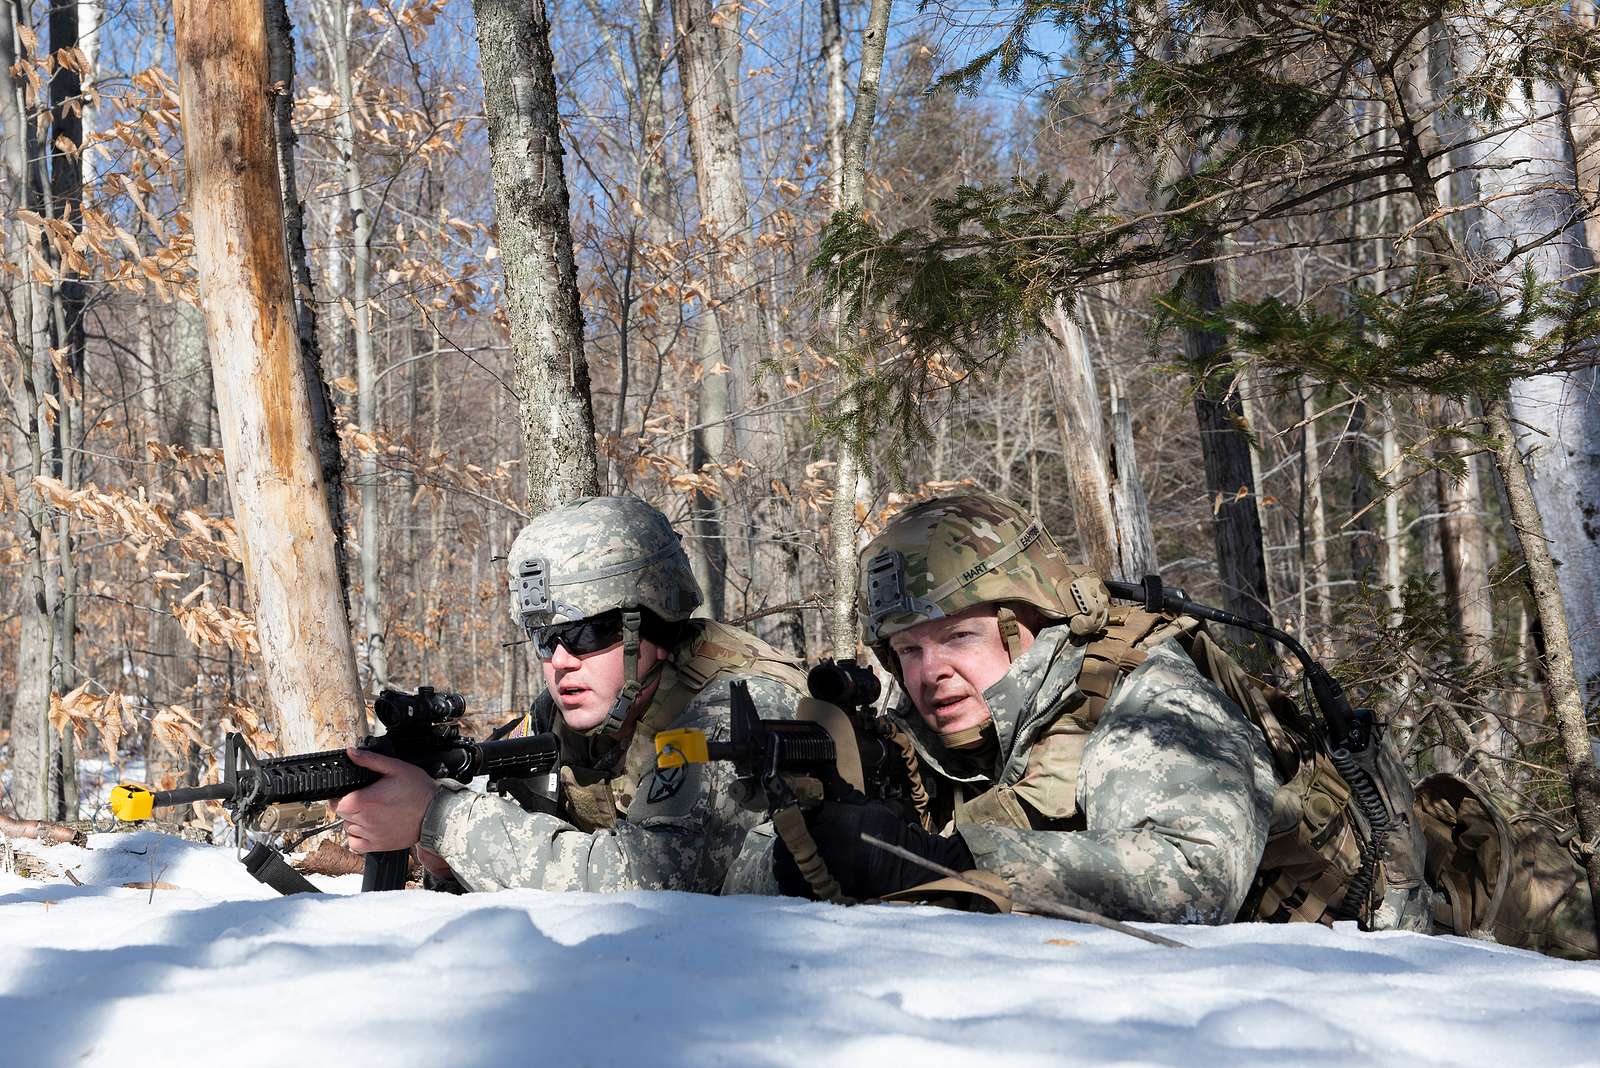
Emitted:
<point x="843" y="683"/>
<point x="426" y="708"/>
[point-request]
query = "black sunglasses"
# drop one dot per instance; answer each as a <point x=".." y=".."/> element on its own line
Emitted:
<point x="580" y="638"/>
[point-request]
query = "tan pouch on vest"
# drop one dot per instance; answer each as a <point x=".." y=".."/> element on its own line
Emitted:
<point x="1517" y="880"/>
<point x="587" y="799"/>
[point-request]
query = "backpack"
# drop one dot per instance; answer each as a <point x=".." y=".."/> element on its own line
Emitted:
<point x="1316" y="864"/>
<point x="1518" y="880"/>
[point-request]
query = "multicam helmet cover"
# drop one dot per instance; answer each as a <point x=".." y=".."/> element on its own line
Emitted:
<point x="943" y="556"/>
<point x="596" y="554"/>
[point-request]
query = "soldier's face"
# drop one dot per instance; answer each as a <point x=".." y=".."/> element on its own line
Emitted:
<point x="585" y="687"/>
<point x="946" y="664"/>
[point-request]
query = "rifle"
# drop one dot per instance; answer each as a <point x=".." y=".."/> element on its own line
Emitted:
<point x="836" y="744"/>
<point x="422" y="729"/>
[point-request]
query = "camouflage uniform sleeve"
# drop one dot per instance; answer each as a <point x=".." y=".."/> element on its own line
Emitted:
<point x="1175" y="790"/>
<point x="681" y="832"/>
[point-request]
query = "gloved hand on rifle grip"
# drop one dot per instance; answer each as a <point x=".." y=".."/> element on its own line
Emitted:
<point x="863" y="870"/>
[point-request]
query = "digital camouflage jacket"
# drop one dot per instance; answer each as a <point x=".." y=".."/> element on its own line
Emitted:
<point x="624" y="824"/>
<point x="1159" y="811"/>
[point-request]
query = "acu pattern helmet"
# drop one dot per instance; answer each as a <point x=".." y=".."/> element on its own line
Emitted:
<point x="596" y="555"/>
<point x="946" y="555"/>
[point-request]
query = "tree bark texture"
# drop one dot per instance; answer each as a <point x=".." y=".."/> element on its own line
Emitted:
<point x="339" y="16"/>
<point x="273" y="471"/>
<point x="34" y="449"/>
<point x="280" y="74"/>
<point x="1109" y="505"/>
<point x="1529" y="216"/>
<point x="709" y="62"/>
<point x="850" y="190"/>
<point x="1230" y="485"/>
<point x="1083" y="442"/>
<point x="535" y="233"/>
<point x="1130" y="505"/>
<point x="68" y="336"/>
<point x="1464" y="544"/>
<point x="1562" y="684"/>
<point x="708" y="549"/>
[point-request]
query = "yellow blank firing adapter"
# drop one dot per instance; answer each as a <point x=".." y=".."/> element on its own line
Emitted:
<point x="676" y="748"/>
<point x="131" y="802"/>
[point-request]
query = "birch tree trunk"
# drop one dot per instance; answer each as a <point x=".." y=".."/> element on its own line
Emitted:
<point x="1313" y="528"/>
<point x="273" y="472"/>
<point x="340" y="14"/>
<point x="850" y="191"/>
<point x="535" y="232"/>
<point x="1528" y="219"/>
<point x="1528" y="216"/>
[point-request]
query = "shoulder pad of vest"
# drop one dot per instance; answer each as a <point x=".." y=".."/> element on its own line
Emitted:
<point x="723" y="650"/>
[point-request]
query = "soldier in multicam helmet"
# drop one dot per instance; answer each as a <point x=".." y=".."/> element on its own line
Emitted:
<point x="1152" y="805"/>
<point x="604" y="589"/>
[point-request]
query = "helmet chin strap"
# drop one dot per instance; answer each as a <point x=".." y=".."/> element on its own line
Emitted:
<point x="1010" y="633"/>
<point x="617" y="716"/>
<point x="969" y="737"/>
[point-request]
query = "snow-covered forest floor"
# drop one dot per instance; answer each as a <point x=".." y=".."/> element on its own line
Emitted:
<point x="210" y="967"/>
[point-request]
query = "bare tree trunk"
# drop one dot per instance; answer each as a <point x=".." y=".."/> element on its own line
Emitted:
<point x="65" y="203"/>
<point x="1526" y="192"/>
<point x="709" y="548"/>
<point x="849" y="190"/>
<point x="1562" y="686"/>
<point x="1464" y="543"/>
<point x="709" y="58"/>
<point x="1230" y="485"/>
<point x="280" y="72"/>
<point x="833" y="63"/>
<point x="1313" y="527"/>
<point x="1130" y="506"/>
<point x="1083" y="442"/>
<point x="274" y="475"/>
<point x="535" y="230"/>
<point x="34" y="445"/>
<point x="1109" y="505"/>
<point x="340" y="14"/>
<point x="1528" y="219"/>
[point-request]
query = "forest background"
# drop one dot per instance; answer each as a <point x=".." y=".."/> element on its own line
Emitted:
<point x="1178" y="325"/>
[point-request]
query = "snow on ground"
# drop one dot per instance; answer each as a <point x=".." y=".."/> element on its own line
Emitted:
<point x="220" y="970"/>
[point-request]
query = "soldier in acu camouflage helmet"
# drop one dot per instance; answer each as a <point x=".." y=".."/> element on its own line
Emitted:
<point x="1152" y="805"/>
<point x="603" y="588"/>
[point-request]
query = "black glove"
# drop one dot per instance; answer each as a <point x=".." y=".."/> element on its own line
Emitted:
<point x="863" y="870"/>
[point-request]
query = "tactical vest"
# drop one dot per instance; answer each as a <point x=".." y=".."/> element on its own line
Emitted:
<point x="596" y="797"/>
<point x="1316" y="835"/>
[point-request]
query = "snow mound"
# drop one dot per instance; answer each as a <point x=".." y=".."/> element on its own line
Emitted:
<point x="209" y="966"/>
